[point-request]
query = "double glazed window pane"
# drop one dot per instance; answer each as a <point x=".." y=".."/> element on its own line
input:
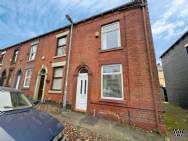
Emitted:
<point x="83" y="87"/>
<point x="62" y="41"/>
<point x="111" y="68"/>
<point x="111" y="36"/>
<point x="57" y="84"/>
<point x="27" y="78"/>
<point x="27" y="82"/>
<point x="61" y="51"/>
<point x="1" y="58"/>
<point x="33" y="52"/>
<point x="112" y="86"/>
<point x="15" y="56"/>
<point x="57" y="78"/>
<point x="112" y="81"/>
<point x="61" y="46"/>
<point x="111" y="40"/>
<point x="111" y="27"/>
<point x="58" y="72"/>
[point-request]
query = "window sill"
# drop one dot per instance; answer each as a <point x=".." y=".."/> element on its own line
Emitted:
<point x="119" y="101"/>
<point x="29" y="61"/>
<point x="55" y="57"/>
<point x="54" y="92"/>
<point x="111" y="49"/>
<point x="25" y="88"/>
<point x="116" y="103"/>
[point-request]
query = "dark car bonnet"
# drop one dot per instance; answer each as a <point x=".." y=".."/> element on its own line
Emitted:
<point x="28" y="125"/>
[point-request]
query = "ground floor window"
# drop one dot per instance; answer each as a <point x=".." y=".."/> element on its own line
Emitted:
<point x="27" y="78"/>
<point x="57" y="78"/>
<point x="112" y="82"/>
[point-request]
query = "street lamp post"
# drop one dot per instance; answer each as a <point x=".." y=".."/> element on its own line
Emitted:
<point x="68" y="62"/>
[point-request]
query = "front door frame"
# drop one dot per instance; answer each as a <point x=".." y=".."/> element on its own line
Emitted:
<point x="37" y="85"/>
<point x="80" y="77"/>
<point x="75" y="75"/>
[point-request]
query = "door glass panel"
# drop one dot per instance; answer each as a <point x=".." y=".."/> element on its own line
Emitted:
<point x="81" y="87"/>
<point x="85" y="87"/>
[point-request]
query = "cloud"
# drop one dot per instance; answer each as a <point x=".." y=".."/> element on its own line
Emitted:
<point x="23" y="19"/>
<point x="163" y="26"/>
<point x="172" y="21"/>
<point x="94" y="4"/>
<point x="184" y="13"/>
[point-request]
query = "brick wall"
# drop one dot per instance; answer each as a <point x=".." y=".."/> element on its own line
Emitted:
<point x="138" y="104"/>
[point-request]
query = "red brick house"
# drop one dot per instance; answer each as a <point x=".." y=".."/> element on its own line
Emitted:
<point x="111" y="73"/>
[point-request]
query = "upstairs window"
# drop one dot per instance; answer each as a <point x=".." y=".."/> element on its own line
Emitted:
<point x="110" y="37"/>
<point x="112" y="82"/>
<point x="61" y="45"/>
<point x="1" y="58"/>
<point x="33" y="52"/>
<point x="27" y="78"/>
<point x="57" y="78"/>
<point x="15" y="56"/>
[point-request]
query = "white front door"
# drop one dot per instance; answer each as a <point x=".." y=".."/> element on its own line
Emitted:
<point x="82" y="92"/>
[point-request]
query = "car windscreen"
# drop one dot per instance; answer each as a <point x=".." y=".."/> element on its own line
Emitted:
<point x="13" y="101"/>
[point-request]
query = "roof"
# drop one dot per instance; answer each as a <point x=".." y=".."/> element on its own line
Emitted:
<point x="172" y="46"/>
<point x="119" y="8"/>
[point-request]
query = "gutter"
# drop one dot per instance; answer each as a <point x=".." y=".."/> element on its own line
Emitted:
<point x="148" y="46"/>
<point x="67" y="68"/>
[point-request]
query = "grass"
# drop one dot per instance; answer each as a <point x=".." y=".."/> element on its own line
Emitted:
<point x="175" y="117"/>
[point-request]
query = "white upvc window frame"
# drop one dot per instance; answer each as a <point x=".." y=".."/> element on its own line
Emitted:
<point x="31" y="58"/>
<point x="114" y="73"/>
<point x="103" y="32"/>
<point x="64" y="46"/>
<point x="3" y="56"/>
<point x="15" y="56"/>
<point x="27" y="77"/>
<point x="59" y="78"/>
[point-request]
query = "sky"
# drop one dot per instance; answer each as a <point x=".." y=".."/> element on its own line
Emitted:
<point x="24" y="19"/>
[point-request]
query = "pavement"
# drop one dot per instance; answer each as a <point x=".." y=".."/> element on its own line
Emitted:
<point x="87" y="126"/>
<point x="108" y="129"/>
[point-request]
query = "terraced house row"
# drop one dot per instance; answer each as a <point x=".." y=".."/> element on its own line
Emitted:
<point x="104" y="66"/>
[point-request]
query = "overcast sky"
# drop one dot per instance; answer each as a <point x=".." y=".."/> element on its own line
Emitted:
<point x="23" y="19"/>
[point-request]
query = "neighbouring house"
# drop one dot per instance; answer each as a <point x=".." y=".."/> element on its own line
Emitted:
<point x="111" y="71"/>
<point x="163" y="92"/>
<point x="175" y="65"/>
<point x="161" y="75"/>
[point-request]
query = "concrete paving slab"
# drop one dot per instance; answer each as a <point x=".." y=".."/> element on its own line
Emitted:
<point x="110" y="129"/>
